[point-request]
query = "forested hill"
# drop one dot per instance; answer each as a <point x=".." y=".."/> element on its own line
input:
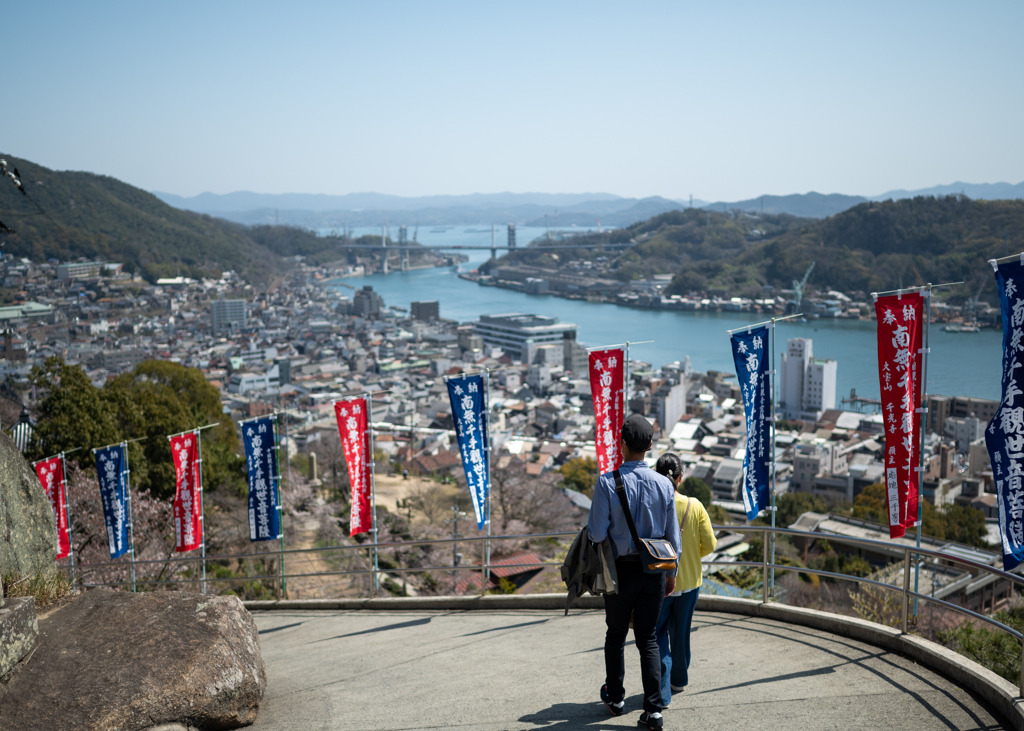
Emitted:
<point x="885" y="245"/>
<point x="105" y="218"/>
<point x="874" y="246"/>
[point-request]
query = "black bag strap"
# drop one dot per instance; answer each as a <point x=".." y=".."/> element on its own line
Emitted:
<point x="620" y="490"/>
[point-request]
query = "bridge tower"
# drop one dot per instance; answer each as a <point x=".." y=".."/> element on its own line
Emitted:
<point x="511" y="237"/>
<point x="403" y="242"/>
<point x="384" y="248"/>
<point x="494" y="249"/>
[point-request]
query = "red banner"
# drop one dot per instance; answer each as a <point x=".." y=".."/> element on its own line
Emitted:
<point x="51" y="475"/>
<point x="355" y="440"/>
<point x="188" y="505"/>
<point x="606" y="386"/>
<point x="899" y="370"/>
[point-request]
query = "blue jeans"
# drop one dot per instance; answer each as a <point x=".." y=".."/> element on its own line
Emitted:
<point x="673" y="634"/>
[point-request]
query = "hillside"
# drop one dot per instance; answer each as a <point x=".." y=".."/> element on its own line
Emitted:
<point x="809" y="205"/>
<point x="884" y="245"/>
<point x="104" y="218"/>
<point x="871" y="247"/>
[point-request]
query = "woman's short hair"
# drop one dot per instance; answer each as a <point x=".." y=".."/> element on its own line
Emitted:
<point x="669" y="465"/>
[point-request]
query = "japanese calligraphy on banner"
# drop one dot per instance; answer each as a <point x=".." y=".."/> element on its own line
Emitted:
<point x="467" y="397"/>
<point x="748" y="352"/>
<point x="355" y="441"/>
<point x="188" y="526"/>
<point x="261" y="461"/>
<point x="899" y="371"/>
<point x="606" y="387"/>
<point x="110" y="468"/>
<point x="1004" y="436"/>
<point x="51" y="475"/>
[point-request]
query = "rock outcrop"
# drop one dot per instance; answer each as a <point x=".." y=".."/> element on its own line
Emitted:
<point x="28" y="534"/>
<point x="116" y="661"/>
<point x="19" y="633"/>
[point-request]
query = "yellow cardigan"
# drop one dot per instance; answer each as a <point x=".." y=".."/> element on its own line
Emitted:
<point x="698" y="540"/>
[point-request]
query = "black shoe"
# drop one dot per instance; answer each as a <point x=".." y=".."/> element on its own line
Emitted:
<point x="651" y="721"/>
<point x="613" y="708"/>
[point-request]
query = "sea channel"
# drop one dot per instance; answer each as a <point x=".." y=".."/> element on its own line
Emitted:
<point x="960" y="364"/>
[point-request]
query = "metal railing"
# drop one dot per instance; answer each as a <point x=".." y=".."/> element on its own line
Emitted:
<point x="767" y="534"/>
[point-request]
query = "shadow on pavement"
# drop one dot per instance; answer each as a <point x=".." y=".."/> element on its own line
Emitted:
<point x="385" y="628"/>
<point x="569" y="716"/>
<point x="508" y="626"/>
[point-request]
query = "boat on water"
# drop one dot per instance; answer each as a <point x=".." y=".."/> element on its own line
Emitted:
<point x="967" y="327"/>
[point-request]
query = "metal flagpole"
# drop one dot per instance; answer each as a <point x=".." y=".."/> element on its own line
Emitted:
<point x="373" y="492"/>
<point x="202" y="524"/>
<point x="625" y="384"/>
<point x="280" y="514"/>
<point x="487" y="427"/>
<point x="128" y="490"/>
<point x="67" y="514"/>
<point x="771" y="336"/>
<point x="922" y="409"/>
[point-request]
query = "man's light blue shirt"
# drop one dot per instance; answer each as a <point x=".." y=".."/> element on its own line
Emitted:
<point x="651" y="498"/>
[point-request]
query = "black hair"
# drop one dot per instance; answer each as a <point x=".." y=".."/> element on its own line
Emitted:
<point x="669" y="465"/>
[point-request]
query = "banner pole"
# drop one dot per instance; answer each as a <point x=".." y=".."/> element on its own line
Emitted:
<point x="202" y="523"/>
<point x="771" y="335"/>
<point x="280" y="513"/>
<point x="487" y="427"/>
<point x="373" y="493"/>
<point x="131" y="520"/>
<point x="625" y="384"/>
<point x="67" y="514"/>
<point x="923" y="411"/>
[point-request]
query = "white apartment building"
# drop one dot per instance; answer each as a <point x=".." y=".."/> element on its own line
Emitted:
<point x="807" y="386"/>
<point x="227" y="316"/>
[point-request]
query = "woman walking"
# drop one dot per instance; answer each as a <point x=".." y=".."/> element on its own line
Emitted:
<point x="673" y="628"/>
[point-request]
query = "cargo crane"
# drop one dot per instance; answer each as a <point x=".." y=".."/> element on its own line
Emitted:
<point x="798" y="288"/>
<point x="975" y="300"/>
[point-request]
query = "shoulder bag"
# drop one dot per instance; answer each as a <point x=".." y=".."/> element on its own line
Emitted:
<point x="657" y="556"/>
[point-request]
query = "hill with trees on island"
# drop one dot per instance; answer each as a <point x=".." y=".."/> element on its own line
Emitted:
<point x="100" y="217"/>
<point x="873" y="246"/>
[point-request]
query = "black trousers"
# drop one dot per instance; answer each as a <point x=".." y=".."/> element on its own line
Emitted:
<point x="639" y="595"/>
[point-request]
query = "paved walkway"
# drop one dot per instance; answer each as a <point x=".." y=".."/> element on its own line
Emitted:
<point x="540" y="670"/>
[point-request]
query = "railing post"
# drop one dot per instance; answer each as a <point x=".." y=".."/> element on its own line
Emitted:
<point x="906" y="587"/>
<point x="1022" y="670"/>
<point x="764" y="567"/>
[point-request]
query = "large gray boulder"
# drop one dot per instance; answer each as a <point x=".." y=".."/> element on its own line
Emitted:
<point x="116" y="661"/>
<point x="28" y="534"/>
<point x="19" y="633"/>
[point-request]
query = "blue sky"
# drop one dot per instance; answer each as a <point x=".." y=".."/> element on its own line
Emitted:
<point x="722" y="100"/>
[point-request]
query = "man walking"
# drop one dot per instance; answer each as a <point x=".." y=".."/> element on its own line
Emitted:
<point x="652" y="504"/>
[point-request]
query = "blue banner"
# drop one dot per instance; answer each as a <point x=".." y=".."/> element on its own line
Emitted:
<point x="261" y="459"/>
<point x="1005" y="434"/>
<point x="467" y="397"/>
<point x="111" y="465"/>
<point x="749" y="351"/>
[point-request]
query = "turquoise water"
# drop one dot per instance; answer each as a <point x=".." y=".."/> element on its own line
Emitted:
<point x="960" y="364"/>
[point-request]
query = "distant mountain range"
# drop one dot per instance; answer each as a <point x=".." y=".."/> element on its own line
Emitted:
<point x="531" y="209"/>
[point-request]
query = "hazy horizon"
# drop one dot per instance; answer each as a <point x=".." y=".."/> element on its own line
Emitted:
<point x="662" y="98"/>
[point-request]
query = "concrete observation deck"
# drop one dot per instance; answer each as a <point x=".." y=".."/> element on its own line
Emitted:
<point x="537" y="669"/>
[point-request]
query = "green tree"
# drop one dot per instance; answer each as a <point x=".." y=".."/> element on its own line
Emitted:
<point x="791" y="505"/>
<point x="580" y="474"/>
<point x="144" y="406"/>
<point x="696" y="487"/>
<point x="993" y="648"/>
<point x="72" y="414"/>
<point x="960" y="523"/>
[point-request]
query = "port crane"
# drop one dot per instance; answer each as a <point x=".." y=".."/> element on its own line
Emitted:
<point x="798" y="288"/>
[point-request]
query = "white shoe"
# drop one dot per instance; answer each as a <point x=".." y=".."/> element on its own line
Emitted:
<point x="677" y="688"/>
